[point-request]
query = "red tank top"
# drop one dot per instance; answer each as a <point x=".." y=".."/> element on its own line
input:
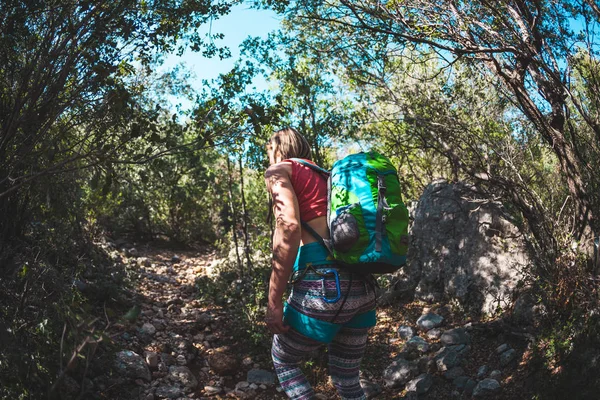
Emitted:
<point x="311" y="190"/>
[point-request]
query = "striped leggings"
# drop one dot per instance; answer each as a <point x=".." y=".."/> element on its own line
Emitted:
<point x="343" y="325"/>
<point x="345" y="354"/>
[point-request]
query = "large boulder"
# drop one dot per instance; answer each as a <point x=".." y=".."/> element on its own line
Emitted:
<point x="463" y="247"/>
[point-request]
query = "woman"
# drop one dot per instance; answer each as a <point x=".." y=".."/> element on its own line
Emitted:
<point x="321" y="309"/>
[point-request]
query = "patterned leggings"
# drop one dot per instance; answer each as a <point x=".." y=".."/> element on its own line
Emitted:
<point x="345" y="354"/>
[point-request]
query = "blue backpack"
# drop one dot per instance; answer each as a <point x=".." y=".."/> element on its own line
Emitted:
<point x="368" y="222"/>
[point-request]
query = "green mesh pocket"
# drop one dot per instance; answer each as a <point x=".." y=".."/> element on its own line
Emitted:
<point x="396" y="218"/>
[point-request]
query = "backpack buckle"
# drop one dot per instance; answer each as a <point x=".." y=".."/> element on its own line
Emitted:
<point x="335" y="274"/>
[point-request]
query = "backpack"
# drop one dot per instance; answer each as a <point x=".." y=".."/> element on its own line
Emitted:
<point x="368" y="222"/>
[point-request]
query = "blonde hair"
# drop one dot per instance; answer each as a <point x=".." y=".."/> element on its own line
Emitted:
<point x="289" y="143"/>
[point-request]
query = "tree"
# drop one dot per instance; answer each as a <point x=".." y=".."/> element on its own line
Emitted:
<point x="308" y="97"/>
<point x="68" y="99"/>
<point x="528" y="47"/>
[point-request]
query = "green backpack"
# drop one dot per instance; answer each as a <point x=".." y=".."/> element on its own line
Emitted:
<point x="368" y="222"/>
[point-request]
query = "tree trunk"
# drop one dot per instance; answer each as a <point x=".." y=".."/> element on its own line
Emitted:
<point x="245" y="217"/>
<point x="233" y="214"/>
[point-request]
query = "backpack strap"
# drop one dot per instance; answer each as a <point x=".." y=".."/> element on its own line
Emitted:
<point x="310" y="165"/>
<point x="314" y="234"/>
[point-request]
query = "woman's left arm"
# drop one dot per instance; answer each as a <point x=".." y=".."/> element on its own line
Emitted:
<point x="286" y="240"/>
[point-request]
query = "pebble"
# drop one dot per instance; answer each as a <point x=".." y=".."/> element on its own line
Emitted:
<point x="502" y="348"/>
<point x="455" y="336"/>
<point x="421" y="384"/>
<point x="495" y="374"/>
<point x="486" y="387"/>
<point x="210" y="390"/>
<point x="507" y="357"/>
<point x="406" y="332"/>
<point x="242" y="385"/>
<point x="148" y="329"/>
<point x="429" y="321"/>
<point x="482" y="371"/>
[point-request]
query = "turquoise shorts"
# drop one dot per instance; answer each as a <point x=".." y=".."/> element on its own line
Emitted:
<point x="306" y="314"/>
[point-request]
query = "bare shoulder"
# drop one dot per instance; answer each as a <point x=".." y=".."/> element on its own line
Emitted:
<point x="279" y="170"/>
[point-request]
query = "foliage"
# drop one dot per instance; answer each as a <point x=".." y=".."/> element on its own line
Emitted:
<point x="245" y="298"/>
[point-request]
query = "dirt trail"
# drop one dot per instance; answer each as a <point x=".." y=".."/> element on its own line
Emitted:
<point x="180" y="348"/>
<point x="191" y="351"/>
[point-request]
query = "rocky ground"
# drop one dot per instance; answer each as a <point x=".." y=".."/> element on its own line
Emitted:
<point x="180" y="348"/>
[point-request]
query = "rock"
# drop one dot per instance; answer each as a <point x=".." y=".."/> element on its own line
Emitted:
<point x="429" y="321"/>
<point x="482" y="371"/>
<point x="242" y="385"/>
<point x="495" y="374"/>
<point x="148" y="329"/>
<point x="486" y="387"/>
<point x="421" y="384"/>
<point x="181" y="360"/>
<point x="223" y="363"/>
<point x="406" y="332"/>
<point x="434" y="333"/>
<point x="211" y="390"/>
<point x="455" y="336"/>
<point x="253" y="386"/>
<point x="410" y="354"/>
<point x="399" y="373"/>
<point x="183" y="375"/>
<point x="470" y="386"/>
<point x="446" y="359"/>
<point x="454" y="373"/>
<point x="152" y="359"/>
<point x="260" y="376"/>
<point x="507" y="357"/>
<point x="168" y="392"/>
<point x="463" y="249"/>
<point x="175" y="258"/>
<point x="502" y="348"/>
<point x="528" y="311"/>
<point x="460" y="349"/>
<point x="427" y="365"/>
<point x="132" y="365"/>
<point x="371" y="389"/>
<point x="416" y="343"/>
<point x="132" y="252"/>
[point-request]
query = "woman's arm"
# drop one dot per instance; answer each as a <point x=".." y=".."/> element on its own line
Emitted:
<point x="286" y="240"/>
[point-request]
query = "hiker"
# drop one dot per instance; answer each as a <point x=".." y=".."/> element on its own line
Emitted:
<point x="321" y="308"/>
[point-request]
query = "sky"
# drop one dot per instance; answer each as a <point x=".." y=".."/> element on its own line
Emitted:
<point x="240" y="23"/>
